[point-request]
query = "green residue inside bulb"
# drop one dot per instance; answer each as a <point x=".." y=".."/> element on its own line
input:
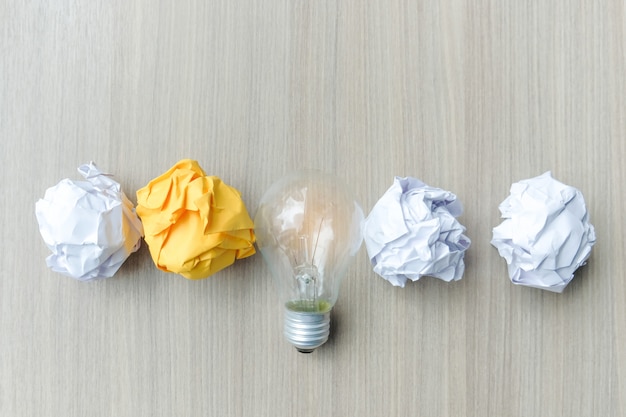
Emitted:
<point x="309" y="306"/>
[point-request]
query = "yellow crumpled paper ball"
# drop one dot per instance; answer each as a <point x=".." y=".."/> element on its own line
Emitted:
<point x="194" y="224"/>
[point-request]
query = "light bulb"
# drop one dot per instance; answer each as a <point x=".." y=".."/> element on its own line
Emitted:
<point x="308" y="229"/>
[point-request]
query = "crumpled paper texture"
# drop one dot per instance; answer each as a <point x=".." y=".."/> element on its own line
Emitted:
<point x="545" y="235"/>
<point x="90" y="226"/>
<point x="195" y="225"/>
<point x="412" y="232"/>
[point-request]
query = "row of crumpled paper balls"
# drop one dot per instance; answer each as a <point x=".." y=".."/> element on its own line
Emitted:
<point x="195" y="225"/>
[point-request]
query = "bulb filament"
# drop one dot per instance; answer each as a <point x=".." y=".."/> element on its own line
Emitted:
<point x="306" y="273"/>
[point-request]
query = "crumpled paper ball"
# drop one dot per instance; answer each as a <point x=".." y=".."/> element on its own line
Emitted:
<point x="546" y="234"/>
<point x="90" y="226"/>
<point x="412" y="232"/>
<point x="195" y="224"/>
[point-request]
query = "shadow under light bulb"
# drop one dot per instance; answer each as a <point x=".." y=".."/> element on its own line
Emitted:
<point x="308" y="229"/>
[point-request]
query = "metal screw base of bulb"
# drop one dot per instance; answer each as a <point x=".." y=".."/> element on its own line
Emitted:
<point x="306" y="331"/>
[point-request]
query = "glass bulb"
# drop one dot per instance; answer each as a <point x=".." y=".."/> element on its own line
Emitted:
<point x="308" y="229"/>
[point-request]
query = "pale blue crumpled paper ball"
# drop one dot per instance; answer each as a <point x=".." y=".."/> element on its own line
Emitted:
<point x="412" y="231"/>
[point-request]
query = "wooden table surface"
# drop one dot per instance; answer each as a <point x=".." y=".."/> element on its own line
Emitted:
<point x="467" y="96"/>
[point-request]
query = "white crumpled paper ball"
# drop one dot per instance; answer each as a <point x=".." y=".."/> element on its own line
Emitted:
<point x="546" y="234"/>
<point x="90" y="226"/>
<point x="412" y="232"/>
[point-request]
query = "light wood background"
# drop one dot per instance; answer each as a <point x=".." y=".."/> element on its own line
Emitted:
<point x="469" y="96"/>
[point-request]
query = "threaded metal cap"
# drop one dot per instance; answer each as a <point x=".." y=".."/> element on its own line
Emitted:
<point x="306" y="331"/>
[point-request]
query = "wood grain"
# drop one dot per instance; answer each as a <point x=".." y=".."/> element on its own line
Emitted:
<point x="467" y="96"/>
